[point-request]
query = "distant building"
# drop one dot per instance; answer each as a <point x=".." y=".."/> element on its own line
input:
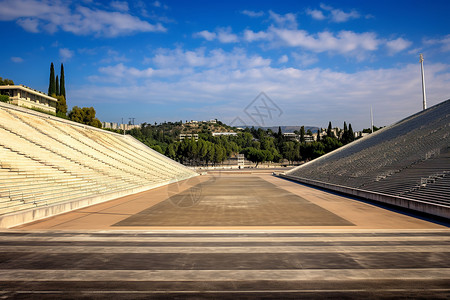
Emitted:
<point x="111" y="125"/>
<point x="223" y="133"/>
<point x="24" y="96"/>
<point x="309" y="139"/>
<point x="188" y="136"/>
<point x="359" y="134"/>
<point x="291" y="136"/>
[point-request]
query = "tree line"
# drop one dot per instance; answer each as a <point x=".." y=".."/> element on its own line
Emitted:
<point x="258" y="145"/>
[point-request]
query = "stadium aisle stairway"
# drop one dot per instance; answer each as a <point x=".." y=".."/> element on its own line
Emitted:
<point x="44" y="161"/>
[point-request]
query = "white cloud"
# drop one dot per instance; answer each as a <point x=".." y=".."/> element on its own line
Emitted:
<point x="65" y="54"/>
<point x="207" y="35"/>
<point x="216" y="58"/>
<point x="16" y="59"/>
<point x="340" y="16"/>
<point x="283" y="59"/>
<point x="36" y="16"/>
<point x="397" y="45"/>
<point x="111" y="56"/>
<point x="251" y="36"/>
<point x="284" y="32"/>
<point x="158" y="4"/>
<point x="316" y="14"/>
<point x="252" y="14"/>
<point x="120" y="5"/>
<point x="288" y="20"/>
<point x="304" y="59"/>
<point x="333" y="14"/>
<point x="30" y="25"/>
<point x="342" y="42"/>
<point x="443" y="43"/>
<point x="224" y="35"/>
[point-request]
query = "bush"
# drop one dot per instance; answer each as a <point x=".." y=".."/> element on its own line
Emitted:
<point x="4" y="98"/>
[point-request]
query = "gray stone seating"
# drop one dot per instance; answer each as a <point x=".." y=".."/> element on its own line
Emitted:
<point x="44" y="161"/>
<point x="393" y="160"/>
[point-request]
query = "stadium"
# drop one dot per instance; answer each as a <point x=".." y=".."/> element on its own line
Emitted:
<point x="172" y="149"/>
<point x="91" y="211"/>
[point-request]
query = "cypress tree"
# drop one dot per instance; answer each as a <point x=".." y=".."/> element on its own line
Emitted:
<point x="52" y="85"/>
<point x="57" y="85"/>
<point x="345" y="138"/>
<point x="302" y="134"/>
<point x="62" y="85"/>
<point x="351" y="135"/>
<point x="329" y="130"/>
<point x="318" y="135"/>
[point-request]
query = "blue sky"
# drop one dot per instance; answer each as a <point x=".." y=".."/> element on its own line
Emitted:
<point x="182" y="60"/>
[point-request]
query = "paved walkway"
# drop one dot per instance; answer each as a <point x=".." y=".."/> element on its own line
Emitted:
<point x="258" y="201"/>
<point x="226" y="265"/>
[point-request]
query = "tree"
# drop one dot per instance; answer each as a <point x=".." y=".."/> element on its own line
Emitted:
<point x="61" y="106"/>
<point x="76" y="114"/>
<point x="52" y="83"/>
<point x="6" y="81"/>
<point x="330" y="130"/>
<point x="171" y="151"/>
<point x="318" y="135"/>
<point x="344" y="137"/>
<point x="211" y="153"/>
<point x="302" y="134"/>
<point x="57" y="86"/>
<point x="290" y="151"/>
<point x="62" y="85"/>
<point x="330" y="144"/>
<point x="254" y="155"/>
<point x="351" y="134"/>
<point x="85" y="115"/>
<point x="157" y="148"/>
<point x="4" y="98"/>
<point x="219" y="154"/>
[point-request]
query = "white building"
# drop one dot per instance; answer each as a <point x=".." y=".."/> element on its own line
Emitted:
<point x="188" y="136"/>
<point x="291" y="136"/>
<point x="24" y="96"/>
<point x="112" y="125"/>
<point x="223" y="133"/>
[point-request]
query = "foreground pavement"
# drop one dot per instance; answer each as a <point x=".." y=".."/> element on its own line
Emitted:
<point x="226" y="265"/>
<point x="224" y="236"/>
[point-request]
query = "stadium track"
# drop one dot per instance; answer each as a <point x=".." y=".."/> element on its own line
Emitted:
<point x="105" y="250"/>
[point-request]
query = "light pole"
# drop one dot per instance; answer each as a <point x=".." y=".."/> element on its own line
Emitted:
<point x="423" y="83"/>
<point x="371" y="120"/>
